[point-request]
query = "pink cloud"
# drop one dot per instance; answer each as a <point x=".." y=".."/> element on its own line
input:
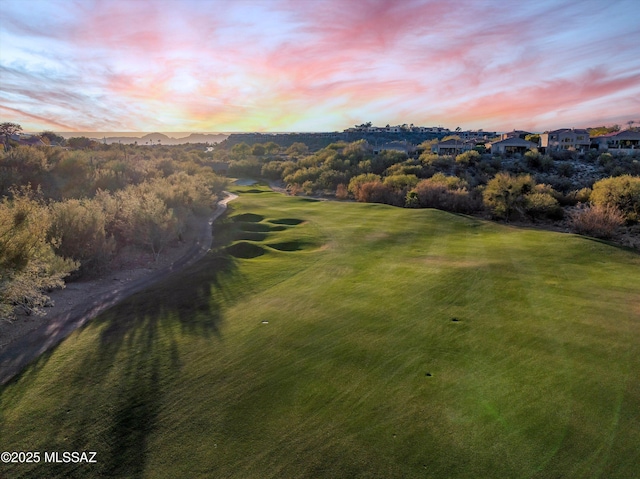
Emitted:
<point x="41" y="120"/>
<point x="192" y="62"/>
<point x="526" y="104"/>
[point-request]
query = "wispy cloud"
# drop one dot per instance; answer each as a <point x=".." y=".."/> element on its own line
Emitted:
<point x="288" y="65"/>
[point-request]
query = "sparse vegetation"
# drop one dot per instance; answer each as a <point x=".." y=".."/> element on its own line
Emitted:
<point x="600" y="221"/>
<point x="73" y="210"/>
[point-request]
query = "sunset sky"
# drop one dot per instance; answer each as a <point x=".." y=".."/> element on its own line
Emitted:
<point x="317" y="65"/>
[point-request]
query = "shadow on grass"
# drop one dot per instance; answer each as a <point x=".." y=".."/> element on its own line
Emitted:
<point x="109" y="394"/>
<point x="139" y="345"/>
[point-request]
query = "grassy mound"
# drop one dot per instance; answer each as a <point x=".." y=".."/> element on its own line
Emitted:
<point x="415" y="343"/>
<point x="244" y="249"/>
<point x="248" y="218"/>
<point x="287" y="221"/>
<point x="290" y="245"/>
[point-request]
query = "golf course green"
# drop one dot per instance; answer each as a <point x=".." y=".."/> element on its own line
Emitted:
<point x="323" y="339"/>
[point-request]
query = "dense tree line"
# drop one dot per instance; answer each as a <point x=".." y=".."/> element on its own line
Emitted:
<point x="66" y="211"/>
<point x="599" y="188"/>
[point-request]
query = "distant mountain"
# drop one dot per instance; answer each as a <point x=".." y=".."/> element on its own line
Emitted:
<point x="162" y="139"/>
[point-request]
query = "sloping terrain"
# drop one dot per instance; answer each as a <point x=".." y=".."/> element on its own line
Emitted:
<point x="324" y="339"/>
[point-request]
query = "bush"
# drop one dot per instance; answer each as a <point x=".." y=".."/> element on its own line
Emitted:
<point x="341" y="192"/>
<point x="437" y="161"/>
<point x="599" y="221"/>
<point x="622" y="192"/>
<point x="566" y="169"/>
<point x="357" y="181"/>
<point x="434" y="193"/>
<point x="401" y="182"/>
<point x="377" y="192"/>
<point x="468" y="157"/>
<point x="505" y="194"/>
<point x="538" y="205"/>
<point x="79" y="226"/>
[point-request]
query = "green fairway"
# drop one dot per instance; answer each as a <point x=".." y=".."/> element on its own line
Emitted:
<point x="347" y="340"/>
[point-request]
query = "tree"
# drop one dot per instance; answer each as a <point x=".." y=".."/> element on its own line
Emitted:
<point x="81" y="142"/>
<point x="28" y="264"/>
<point x="52" y="138"/>
<point x="357" y="181"/>
<point x="145" y="220"/>
<point x="622" y="192"/>
<point x="241" y="151"/>
<point x="271" y="147"/>
<point x="297" y="149"/>
<point x="468" y="157"/>
<point x="533" y="138"/>
<point x="6" y="130"/>
<point x="79" y="226"/>
<point x="505" y="194"/>
<point x="258" y="150"/>
<point x="603" y="130"/>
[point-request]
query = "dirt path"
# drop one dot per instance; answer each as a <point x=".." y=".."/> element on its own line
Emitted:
<point x="16" y="354"/>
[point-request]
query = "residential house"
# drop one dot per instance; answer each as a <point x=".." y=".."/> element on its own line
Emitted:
<point x="515" y="133"/>
<point x="470" y="134"/>
<point x="453" y="147"/>
<point x="510" y="146"/>
<point x="626" y="141"/>
<point x="574" y="139"/>
<point x="400" y="146"/>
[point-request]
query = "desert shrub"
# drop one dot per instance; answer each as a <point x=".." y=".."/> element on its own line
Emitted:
<point x="576" y="196"/>
<point x="294" y="189"/>
<point x="412" y="200"/>
<point x="437" y="161"/>
<point x="565" y="169"/>
<point x="272" y="170"/>
<point x="605" y="158"/>
<point x="468" y="158"/>
<point x="450" y="182"/>
<point x="446" y="193"/>
<point x="28" y="263"/>
<point x="622" y="192"/>
<point x="357" y="181"/>
<point x="562" y="155"/>
<point x="600" y="221"/>
<point x="377" y="192"/>
<point x="401" y="182"/>
<point x="302" y="175"/>
<point x="583" y="195"/>
<point x="330" y="179"/>
<point x="245" y="168"/>
<point x="538" y="205"/>
<point x="405" y="168"/>
<point x="79" y="226"/>
<point x="342" y="193"/>
<point x="297" y="150"/>
<point x="505" y="194"/>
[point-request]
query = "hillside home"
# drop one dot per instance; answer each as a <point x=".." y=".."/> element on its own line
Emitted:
<point x="510" y="146"/>
<point x="479" y="134"/>
<point x="452" y="147"/>
<point x="575" y="139"/>
<point x="400" y="146"/>
<point x="627" y="141"/>
<point x="515" y="133"/>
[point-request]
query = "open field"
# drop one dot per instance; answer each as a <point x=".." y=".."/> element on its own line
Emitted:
<point x="325" y="339"/>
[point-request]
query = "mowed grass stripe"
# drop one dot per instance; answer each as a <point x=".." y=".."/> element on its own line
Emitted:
<point x="336" y="356"/>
